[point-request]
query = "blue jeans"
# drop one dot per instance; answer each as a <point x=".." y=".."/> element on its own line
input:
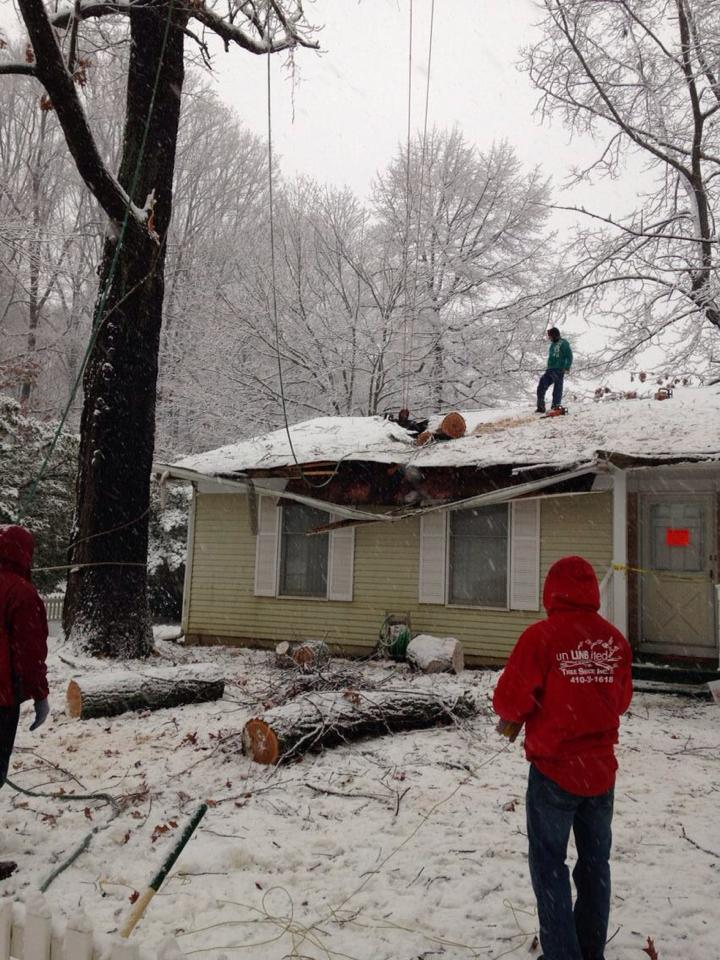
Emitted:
<point x="552" y="378"/>
<point x="567" y="934"/>
<point x="9" y="717"/>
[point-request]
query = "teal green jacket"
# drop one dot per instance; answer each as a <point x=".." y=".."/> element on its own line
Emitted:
<point x="559" y="356"/>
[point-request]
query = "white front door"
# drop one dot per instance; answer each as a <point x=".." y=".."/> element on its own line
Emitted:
<point x="677" y="592"/>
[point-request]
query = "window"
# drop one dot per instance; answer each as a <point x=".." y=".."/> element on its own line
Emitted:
<point x="478" y="556"/>
<point x="303" y="559"/>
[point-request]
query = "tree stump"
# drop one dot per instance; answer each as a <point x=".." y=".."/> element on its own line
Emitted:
<point x="435" y="654"/>
<point x="308" y="655"/>
<point x="115" y="692"/>
<point x="325" y="719"/>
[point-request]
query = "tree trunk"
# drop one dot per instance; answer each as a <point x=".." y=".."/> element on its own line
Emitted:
<point x="435" y="654"/>
<point x="36" y="254"/>
<point x="324" y="719"/>
<point x="107" y="695"/>
<point x="106" y="609"/>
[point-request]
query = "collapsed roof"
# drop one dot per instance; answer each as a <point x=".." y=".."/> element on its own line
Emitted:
<point x="629" y="432"/>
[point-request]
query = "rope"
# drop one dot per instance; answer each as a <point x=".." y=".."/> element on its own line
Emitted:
<point x="301" y="933"/>
<point x="85" y="842"/>
<point x="273" y="278"/>
<point x="422" y="180"/>
<point x="98" y="319"/>
<point x="404" y="365"/>
<point x="408" y="341"/>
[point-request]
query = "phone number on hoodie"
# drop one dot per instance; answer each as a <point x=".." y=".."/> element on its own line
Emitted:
<point x="591" y="679"/>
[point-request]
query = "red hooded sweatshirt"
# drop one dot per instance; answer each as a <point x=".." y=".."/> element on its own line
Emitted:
<point x="23" y="623"/>
<point x="569" y="680"/>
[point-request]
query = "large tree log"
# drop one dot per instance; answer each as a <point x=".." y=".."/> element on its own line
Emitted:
<point x="435" y="654"/>
<point x="324" y="719"/>
<point x="108" y="694"/>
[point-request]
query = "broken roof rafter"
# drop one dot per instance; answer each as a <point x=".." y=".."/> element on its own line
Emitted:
<point x="502" y="495"/>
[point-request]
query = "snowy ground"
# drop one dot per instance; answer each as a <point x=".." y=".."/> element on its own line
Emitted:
<point x="416" y="850"/>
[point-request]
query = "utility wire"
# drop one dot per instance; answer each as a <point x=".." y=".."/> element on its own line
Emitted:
<point x="404" y="390"/>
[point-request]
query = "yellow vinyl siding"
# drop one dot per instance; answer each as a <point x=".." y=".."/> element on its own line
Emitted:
<point x="223" y="604"/>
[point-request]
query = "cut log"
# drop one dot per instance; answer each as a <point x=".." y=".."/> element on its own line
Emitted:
<point x="311" y="655"/>
<point x="435" y="654"/>
<point x="282" y="656"/>
<point x="453" y="425"/>
<point x="308" y="655"/>
<point x="108" y="694"/>
<point x="324" y="719"/>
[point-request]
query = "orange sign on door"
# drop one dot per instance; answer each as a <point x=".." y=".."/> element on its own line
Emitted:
<point x="677" y="537"/>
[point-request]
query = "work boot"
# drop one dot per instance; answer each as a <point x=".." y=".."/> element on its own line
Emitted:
<point x="539" y="409"/>
<point x="7" y="868"/>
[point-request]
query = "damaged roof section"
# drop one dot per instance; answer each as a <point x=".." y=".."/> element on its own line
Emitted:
<point x="504" y="453"/>
<point x="685" y="426"/>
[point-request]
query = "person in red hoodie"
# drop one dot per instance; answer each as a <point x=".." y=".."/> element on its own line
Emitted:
<point x="23" y="640"/>
<point x="568" y="680"/>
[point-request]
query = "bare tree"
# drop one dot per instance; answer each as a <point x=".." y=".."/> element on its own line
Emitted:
<point x="309" y="320"/>
<point x="221" y="200"/>
<point x="465" y="231"/>
<point x="641" y="76"/>
<point x="40" y="223"/>
<point x="106" y="605"/>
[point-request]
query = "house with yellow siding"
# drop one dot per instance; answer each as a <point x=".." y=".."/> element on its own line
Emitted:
<point x="324" y="529"/>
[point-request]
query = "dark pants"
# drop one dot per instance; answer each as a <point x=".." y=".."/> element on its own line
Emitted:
<point x="551" y="813"/>
<point x="9" y="717"/>
<point x="553" y="378"/>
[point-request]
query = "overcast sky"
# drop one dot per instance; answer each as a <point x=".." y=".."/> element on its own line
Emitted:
<point x="343" y="113"/>
<point x="350" y="101"/>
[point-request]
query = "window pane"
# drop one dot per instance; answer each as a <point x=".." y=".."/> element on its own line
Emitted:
<point x="479" y="556"/>
<point x="303" y="560"/>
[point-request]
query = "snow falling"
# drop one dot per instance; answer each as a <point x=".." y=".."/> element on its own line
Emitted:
<point x="411" y="845"/>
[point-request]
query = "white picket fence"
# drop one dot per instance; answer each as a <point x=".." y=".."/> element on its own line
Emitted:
<point x="28" y="933"/>
<point x="53" y="605"/>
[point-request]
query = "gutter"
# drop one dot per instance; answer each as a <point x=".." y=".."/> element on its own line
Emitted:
<point x="248" y="484"/>
<point x="502" y="495"/>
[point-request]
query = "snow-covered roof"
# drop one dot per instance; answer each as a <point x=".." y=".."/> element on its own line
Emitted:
<point x="686" y="426"/>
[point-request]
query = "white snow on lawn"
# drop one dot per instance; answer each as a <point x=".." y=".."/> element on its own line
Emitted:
<point x="419" y="851"/>
<point x="688" y="424"/>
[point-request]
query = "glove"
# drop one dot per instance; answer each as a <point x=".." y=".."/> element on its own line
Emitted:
<point x="42" y="711"/>
<point x="508" y="729"/>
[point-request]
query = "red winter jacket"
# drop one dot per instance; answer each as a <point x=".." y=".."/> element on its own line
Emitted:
<point x="23" y="622"/>
<point x="568" y="680"/>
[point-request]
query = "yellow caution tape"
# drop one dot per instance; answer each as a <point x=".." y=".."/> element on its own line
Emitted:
<point x="665" y="575"/>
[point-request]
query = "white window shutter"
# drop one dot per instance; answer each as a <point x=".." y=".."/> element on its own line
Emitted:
<point x="266" y="548"/>
<point x="525" y="555"/>
<point x="341" y="563"/>
<point x="433" y="553"/>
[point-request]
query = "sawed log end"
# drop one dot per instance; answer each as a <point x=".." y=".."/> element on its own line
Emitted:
<point x="260" y="742"/>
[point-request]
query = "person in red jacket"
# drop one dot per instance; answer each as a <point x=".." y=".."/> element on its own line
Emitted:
<point x="23" y="640"/>
<point x="568" y="680"/>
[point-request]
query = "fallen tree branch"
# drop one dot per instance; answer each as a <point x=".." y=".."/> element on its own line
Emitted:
<point x="710" y="853"/>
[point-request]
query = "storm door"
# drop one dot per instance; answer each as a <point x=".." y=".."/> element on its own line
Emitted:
<point x="676" y="592"/>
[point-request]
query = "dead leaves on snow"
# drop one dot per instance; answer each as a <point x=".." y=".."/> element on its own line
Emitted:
<point x="650" y="949"/>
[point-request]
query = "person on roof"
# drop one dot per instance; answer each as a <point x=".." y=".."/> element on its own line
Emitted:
<point x="558" y="363"/>
<point x="23" y="640"/>
<point x="568" y="680"/>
